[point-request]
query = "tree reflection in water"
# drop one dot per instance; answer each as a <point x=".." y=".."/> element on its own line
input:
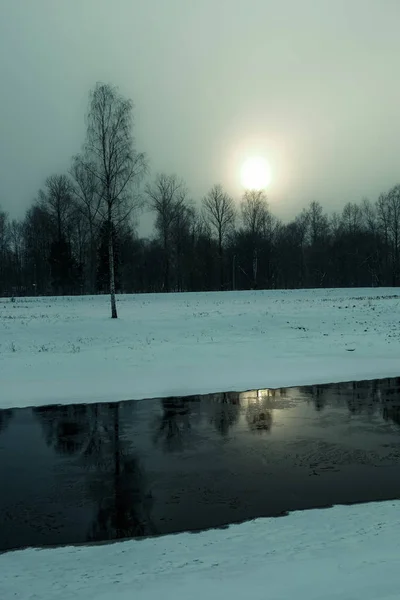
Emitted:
<point x="318" y="395"/>
<point x="173" y="428"/>
<point x="226" y="412"/>
<point x="259" y="412"/>
<point x="66" y="429"/>
<point x="392" y="413"/>
<point x="362" y="399"/>
<point x="5" y="418"/>
<point x="115" y="480"/>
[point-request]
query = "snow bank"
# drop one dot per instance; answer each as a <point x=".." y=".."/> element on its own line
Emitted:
<point x="65" y="350"/>
<point x="340" y="553"/>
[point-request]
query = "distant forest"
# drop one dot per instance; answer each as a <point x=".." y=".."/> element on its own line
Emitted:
<point x="62" y="245"/>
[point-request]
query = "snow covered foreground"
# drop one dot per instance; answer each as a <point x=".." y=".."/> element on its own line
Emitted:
<point x="346" y="553"/>
<point x="65" y="350"/>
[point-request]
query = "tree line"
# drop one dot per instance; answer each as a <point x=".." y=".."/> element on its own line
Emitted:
<point x="79" y="234"/>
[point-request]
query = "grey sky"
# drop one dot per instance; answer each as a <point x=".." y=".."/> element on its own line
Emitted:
<point x="312" y="85"/>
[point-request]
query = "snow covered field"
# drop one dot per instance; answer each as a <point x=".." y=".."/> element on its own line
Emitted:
<point x="68" y="350"/>
<point x="344" y="553"/>
<point x="64" y="350"/>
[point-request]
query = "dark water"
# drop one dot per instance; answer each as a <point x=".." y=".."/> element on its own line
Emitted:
<point x="85" y="473"/>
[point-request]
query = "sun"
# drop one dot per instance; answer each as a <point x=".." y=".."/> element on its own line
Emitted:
<point x="255" y="173"/>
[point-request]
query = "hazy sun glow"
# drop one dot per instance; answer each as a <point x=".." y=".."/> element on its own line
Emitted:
<point x="255" y="173"/>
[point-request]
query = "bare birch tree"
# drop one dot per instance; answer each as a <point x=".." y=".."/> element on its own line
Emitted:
<point x="111" y="158"/>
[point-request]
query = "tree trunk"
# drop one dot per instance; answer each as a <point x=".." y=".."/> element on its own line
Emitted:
<point x="112" y="273"/>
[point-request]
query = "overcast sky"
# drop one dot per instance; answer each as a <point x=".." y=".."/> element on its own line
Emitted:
<point x="311" y="85"/>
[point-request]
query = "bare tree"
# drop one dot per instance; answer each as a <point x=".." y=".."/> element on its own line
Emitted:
<point x="290" y="245"/>
<point x="167" y="197"/>
<point x="219" y="213"/>
<point x="4" y="247"/>
<point x="111" y="158"/>
<point x="56" y="198"/>
<point x="352" y="218"/>
<point x="16" y="245"/>
<point x="318" y="243"/>
<point x="301" y="226"/>
<point x="318" y="224"/>
<point x="38" y="234"/>
<point x="369" y="215"/>
<point x="376" y="256"/>
<point x="388" y="210"/>
<point x="255" y="212"/>
<point x="259" y="225"/>
<point x="182" y="235"/>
